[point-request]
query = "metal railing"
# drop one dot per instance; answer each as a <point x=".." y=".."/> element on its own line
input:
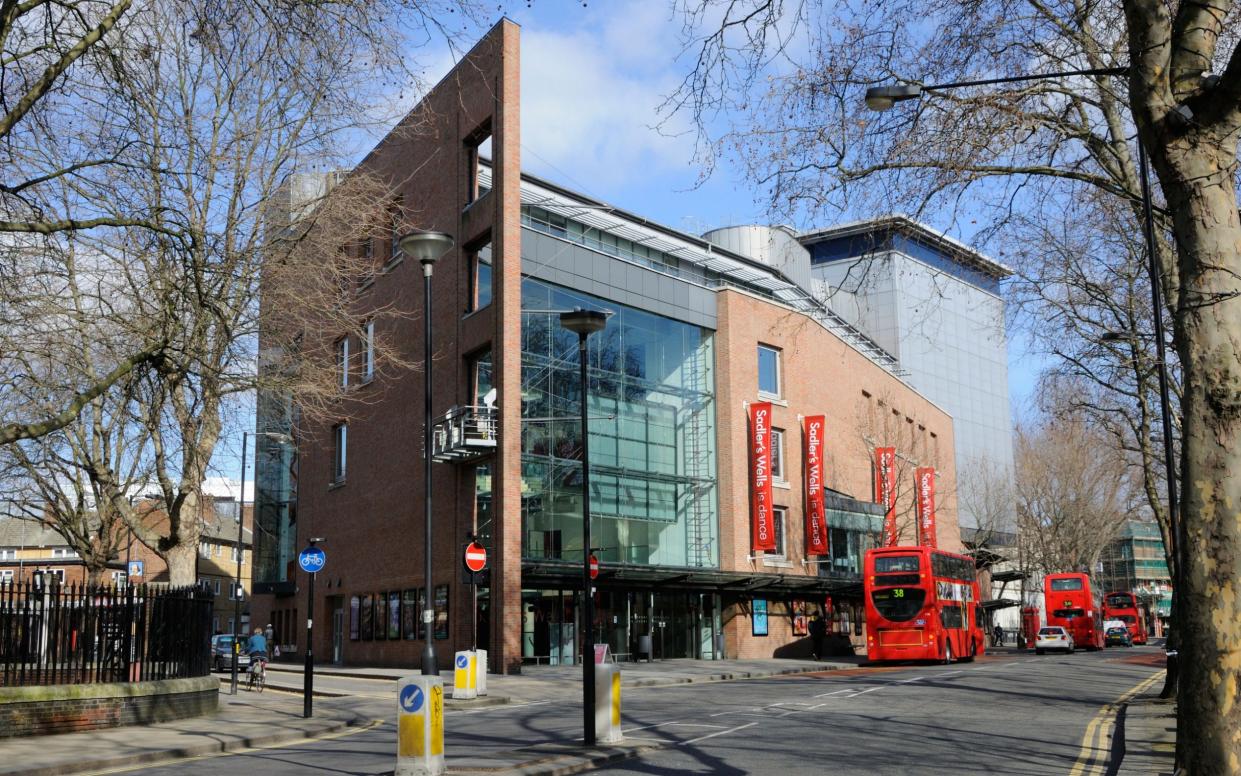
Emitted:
<point x="57" y="634"/>
<point x="464" y="433"/>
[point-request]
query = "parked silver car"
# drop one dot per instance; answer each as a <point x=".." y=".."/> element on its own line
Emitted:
<point x="222" y="654"/>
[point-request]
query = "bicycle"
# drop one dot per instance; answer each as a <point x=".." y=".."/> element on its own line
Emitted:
<point x="257" y="675"/>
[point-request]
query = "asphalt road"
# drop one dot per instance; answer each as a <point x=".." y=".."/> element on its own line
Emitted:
<point x="1020" y="714"/>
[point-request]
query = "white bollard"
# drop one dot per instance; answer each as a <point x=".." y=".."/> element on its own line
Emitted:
<point x="481" y="662"/>
<point x="608" y="703"/>
<point x="420" y="726"/>
<point x="465" y="676"/>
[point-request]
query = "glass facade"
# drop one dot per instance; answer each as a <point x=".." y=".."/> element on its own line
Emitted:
<point x="852" y="533"/>
<point x="652" y="435"/>
<point x="275" y="497"/>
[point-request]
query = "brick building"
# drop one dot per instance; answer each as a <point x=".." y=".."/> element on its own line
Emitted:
<point x="700" y="329"/>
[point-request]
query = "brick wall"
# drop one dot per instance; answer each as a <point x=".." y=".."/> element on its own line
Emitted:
<point x="40" y="711"/>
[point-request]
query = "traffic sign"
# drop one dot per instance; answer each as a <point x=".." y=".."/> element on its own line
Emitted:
<point x="594" y="567"/>
<point x="462" y="661"/>
<point x="411" y="698"/>
<point x="312" y="559"/>
<point x="475" y="557"/>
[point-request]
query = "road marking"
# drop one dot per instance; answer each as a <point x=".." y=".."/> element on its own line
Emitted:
<point x="353" y="731"/>
<point x="717" y="733"/>
<point x="1092" y="758"/>
<point x="498" y="707"/>
<point x="914" y="679"/>
<point x="834" y="692"/>
<point x="950" y="673"/>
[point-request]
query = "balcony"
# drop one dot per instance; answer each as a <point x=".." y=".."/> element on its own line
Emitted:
<point x="464" y="434"/>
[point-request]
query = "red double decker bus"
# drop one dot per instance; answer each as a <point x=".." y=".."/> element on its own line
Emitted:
<point x="921" y="604"/>
<point x="1073" y="605"/>
<point x="1124" y="607"/>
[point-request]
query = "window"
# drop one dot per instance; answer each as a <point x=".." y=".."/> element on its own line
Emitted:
<point x="340" y="436"/>
<point x="778" y="514"/>
<point x="480" y="277"/>
<point x="368" y="351"/>
<point x="952" y="616"/>
<point x="8" y="554"/>
<point x="1062" y="585"/>
<point x="233" y="553"/>
<point x="478" y="147"/>
<point x="355" y="604"/>
<point x="119" y="578"/>
<point x="63" y="552"/>
<point x="367" y="249"/>
<point x="6" y="577"/>
<point x="342" y="361"/>
<point x="394" y="233"/>
<point x="216" y="587"/>
<point x="898" y="604"/>
<point x="777" y="455"/>
<point x="768" y="371"/>
<point x="59" y="574"/>
<point x="898" y="563"/>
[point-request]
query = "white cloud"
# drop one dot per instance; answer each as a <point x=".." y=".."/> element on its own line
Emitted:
<point x="589" y="97"/>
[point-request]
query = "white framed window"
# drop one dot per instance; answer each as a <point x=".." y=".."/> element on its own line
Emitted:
<point x="368" y="351"/>
<point x="777" y="455"/>
<point x="233" y="553"/>
<point x="779" y="520"/>
<point x="768" y="371"/>
<point x="119" y="578"/>
<point x="6" y="576"/>
<point x="394" y="232"/>
<point x="342" y="361"/>
<point x="58" y="573"/>
<point x="8" y="554"/>
<point x="204" y="550"/>
<point x="63" y="552"/>
<point x="340" y="438"/>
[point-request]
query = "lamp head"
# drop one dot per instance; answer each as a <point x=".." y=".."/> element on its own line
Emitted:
<point x="881" y="98"/>
<point x="584" y="322"/>
<point x="1113" y="336"/>
<point x="425" y="247"/>
<point x="315" y="540"/>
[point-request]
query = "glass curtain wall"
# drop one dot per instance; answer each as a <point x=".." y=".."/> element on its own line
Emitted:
<point x="275" y="496"/>
<point x="652" y="435"/>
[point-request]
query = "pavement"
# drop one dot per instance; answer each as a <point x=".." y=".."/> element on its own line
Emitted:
<point x="1148" y="725"/>
<point x="360" y="698"/>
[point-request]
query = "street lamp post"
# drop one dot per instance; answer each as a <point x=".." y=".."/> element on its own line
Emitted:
<point x="583" y="323"/>
<point x="427" y="248"/>
<point x="882" y="98"/>
<point x="241" y="521"/>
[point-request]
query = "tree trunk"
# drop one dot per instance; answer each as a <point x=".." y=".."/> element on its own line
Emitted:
<point x="182" y="561"/>
<point x="94" y="575"/>
<point x="1200" y="191"/>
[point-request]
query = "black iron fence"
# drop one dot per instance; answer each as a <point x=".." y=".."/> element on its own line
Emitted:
<point x="56" y="634"/>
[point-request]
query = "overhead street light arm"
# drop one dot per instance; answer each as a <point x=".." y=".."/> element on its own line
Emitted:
<point x="881" y="98"/>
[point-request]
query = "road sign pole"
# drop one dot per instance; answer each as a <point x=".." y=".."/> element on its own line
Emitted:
<point x="308" y="687"/>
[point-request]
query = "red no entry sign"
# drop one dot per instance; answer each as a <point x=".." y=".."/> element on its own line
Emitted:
<point x="594" y="567"/>
<point x="475" y="557"/>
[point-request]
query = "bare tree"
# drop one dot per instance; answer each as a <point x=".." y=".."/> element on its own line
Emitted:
<point x="1071" y="495"/>
<point x="797" y="71"/>
<point x="219" y="104"/>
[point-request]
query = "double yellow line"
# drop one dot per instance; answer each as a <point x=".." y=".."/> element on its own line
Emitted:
<point x="1097" y="741"/>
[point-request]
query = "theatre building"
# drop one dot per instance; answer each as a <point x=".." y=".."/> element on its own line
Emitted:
<point x="718" y="382"/>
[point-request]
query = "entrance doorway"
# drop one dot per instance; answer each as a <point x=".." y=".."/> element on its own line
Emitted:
<point x="336" y="605"/>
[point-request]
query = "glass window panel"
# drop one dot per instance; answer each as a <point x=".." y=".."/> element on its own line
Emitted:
<point x="768" y="370"/>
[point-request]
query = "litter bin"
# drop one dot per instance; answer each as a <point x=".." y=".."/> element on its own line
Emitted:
<point x="644" y="646"/>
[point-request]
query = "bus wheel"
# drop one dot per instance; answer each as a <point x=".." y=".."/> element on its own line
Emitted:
<point x="972" y="655"/>
<point x="948" y="654"/>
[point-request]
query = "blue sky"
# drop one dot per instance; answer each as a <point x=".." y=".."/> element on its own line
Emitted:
<point x="593" y="76"/>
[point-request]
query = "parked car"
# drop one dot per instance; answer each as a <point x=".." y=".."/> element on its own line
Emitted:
<point x="222" y="654"/>
<point x="1118" y="637"/>
<point x="1053" y="637"/>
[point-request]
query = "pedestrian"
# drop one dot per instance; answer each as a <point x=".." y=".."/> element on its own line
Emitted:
<point x="997" y="636"/>
<point x="818" y="631"/>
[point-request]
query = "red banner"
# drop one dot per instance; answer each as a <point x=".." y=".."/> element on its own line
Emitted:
<point x="763" y="533"/>
<point x="924" y="479"/>
<point x="885" y="491"/>
<point x="816" y="515"/>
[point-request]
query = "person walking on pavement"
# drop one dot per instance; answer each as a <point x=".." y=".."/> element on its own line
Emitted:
<point x="997" y="636"/>
<point x="818" y="630"/>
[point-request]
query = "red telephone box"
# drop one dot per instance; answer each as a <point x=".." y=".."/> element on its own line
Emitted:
<point x="1030" y="625"/>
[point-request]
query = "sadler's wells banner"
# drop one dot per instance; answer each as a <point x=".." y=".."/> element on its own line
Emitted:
<point x="763" y="532"/>
<point x="885" y="491"/>
<point x="816" y="518"/>
<point x="924" y="480"/>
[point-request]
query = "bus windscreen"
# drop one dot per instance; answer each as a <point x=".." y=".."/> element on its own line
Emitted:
<point x="885" y="564"/>
<point x="898" y="604"/>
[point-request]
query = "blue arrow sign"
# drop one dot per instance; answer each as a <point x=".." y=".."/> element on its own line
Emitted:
<point x="411" y="698"/>
<point x="312" y="559"/>
<point x="462" y="661"/>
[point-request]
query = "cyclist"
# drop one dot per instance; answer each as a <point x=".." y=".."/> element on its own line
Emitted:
<point x="256" y="648"/>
